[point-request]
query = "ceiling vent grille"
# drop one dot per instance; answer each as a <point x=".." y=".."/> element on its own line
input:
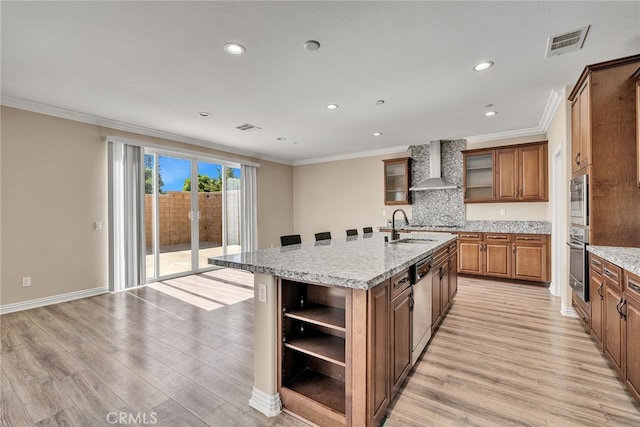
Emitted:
<point x="248" y="127"/>
<point x="566" y="42"/>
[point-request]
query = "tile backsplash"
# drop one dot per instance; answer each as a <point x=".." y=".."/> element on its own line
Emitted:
<point x="439" y="207"/>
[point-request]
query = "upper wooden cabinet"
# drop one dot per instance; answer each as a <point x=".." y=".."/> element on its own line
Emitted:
<point x="517" y="173"/>
<point x="604" y="146"/>
<point x="581" y="128"/>
<point x="637" y="76"/>
<point x="478" y="174"/>
<point x="397" y="173"/>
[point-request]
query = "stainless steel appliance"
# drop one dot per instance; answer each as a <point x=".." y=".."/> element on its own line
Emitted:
<point x="578" y="271"/>
<point x="421" y="328"/>
<point x="579" y="207"/>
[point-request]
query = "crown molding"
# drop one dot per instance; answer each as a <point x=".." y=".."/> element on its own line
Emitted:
<point x="91" y="119"/>
<point x="356" y="155"/>
<point x="553" y="102"/>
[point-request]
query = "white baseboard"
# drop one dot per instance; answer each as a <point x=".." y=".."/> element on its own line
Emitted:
<point x="55" y="299"/>
<point x="269" y="404"/>
<point x="569" y="312"/>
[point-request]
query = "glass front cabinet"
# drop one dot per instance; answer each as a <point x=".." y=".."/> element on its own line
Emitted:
<point x="478" y="176"/>
<point x="397" y="173"/>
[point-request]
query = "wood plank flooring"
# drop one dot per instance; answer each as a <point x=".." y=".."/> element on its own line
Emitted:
<point x="182" y="350"/>
<point x="504" y="356"/>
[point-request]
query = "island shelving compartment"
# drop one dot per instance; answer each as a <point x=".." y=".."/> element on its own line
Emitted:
<point x="313" y="350"/>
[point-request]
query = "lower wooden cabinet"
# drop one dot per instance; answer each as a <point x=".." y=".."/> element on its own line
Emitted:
<point x="632" y="298"/>
<point x="440" y="286"/>
<point x="378" y="353"/>
<point x="453" y="275"/>
<point x="505" y="255"/>
<point x="615" y="318"/>
<point x="401" y="307"/>
<point x="596" y="299"/>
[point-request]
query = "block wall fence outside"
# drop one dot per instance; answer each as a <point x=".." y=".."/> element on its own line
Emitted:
<point x="175" y="225"/>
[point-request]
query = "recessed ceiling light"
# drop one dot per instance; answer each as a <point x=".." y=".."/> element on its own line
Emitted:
<point x="332" y="107"/>
<point x="312" y="45"/>
<point x="281" y="139"/>
<point x="204" y="113"/>
<point x="380" y="102"/>
<point x="490" y="113"/>
<point x="234" y="48"/>
<point x="295" y="143"/>
<point x="483" y="66"/>
<point x="377" y="133"/>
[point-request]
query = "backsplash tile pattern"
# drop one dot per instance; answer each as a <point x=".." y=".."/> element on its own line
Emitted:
<point x="439" y="207"/>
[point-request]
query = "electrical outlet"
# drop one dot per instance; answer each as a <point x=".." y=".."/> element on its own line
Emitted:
<point x="26" y="281"/>
<point x="384" y="212"/>
<point x="262" y="293"/>
<point x="97" y="225"/>
<point x="503" y="212"/>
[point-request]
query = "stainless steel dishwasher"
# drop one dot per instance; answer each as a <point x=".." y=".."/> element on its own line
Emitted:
<point x="422" y="278"/>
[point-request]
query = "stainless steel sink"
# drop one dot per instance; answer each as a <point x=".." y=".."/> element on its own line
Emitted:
<point x="415" y="241"/>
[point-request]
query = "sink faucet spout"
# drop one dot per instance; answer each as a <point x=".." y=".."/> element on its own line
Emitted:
<point x="394" y="233"/>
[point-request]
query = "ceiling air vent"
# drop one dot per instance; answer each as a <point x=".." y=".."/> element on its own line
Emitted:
<point x="248" y="127"/>
<point x="567" y="42"/>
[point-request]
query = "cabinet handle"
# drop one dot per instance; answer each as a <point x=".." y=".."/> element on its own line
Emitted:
<point x="609" y="273"/>
<point x="600" y="291"/>
<point x="634" y="287"/>
<point x="596" y="262"/>
<point x="469" y="236"/>
<point x="619" y="308"/>
<point x="497" y="237"/>
<point x="411" y="302"/>
<point x="576" y="159"/>
<point x="404" y="279"/>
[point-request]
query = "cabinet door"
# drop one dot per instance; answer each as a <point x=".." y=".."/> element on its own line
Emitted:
<point x="507" y="174"/>
<point x="532" y="173"/>
<point x="453" y="277"/>
<point x="633" y="346"/>
<point x="575" y="135"/>
<point x="444" y="287"/>
<point x="400" y="339"/>
<point x="396" y="181"/>
<point x="478" y="176"/>
<point x="436" y="308"/>
<point x="585" y="124"/>
<point x="529" y="261"/>
<point x="612" y="325"/>
<point x="470" y="261"/>
<point x="497" y="256"/>
<point x="379" y="396"/>
<point x="596" y="298"/>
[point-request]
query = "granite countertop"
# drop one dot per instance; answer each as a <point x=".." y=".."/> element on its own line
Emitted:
<point x="518" y="227"/>
<point x="359" y="263"/>
<point x="625" y="258"/>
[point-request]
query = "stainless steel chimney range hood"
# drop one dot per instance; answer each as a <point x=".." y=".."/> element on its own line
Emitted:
<point x="435" y="181"/>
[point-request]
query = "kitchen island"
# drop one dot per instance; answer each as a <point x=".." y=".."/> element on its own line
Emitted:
<point x="332" y="334"/>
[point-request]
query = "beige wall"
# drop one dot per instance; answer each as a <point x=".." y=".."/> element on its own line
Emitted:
<point x="335" y="196"/>
<point x="512" y="211"/>
<point x="54" y="186"/>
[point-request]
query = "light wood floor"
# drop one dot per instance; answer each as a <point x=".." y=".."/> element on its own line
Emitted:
<point x="182" y="351"/>
<point x="505" y="356"/>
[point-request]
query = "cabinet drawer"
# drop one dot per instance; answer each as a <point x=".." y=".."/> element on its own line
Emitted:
<point x="537" y="238"/>
<point x="495" y="237"/>
<point x="399" y="283"/>
<point x="453" y="248"/>
<point x="613" y="273"/>
<point x="471" y="236"/>
<point x="632" y="285"/>
<point x="595" y="263"/>
<point x="440" y="256"/>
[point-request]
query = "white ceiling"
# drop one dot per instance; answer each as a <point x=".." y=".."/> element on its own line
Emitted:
<point x="156" y="64"/>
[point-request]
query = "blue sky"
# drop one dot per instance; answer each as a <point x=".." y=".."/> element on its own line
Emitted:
<point x="175" y="170"/>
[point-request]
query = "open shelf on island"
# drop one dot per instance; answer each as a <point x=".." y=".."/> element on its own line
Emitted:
<point x="322" y="346"/>
<point x="330" y="317"/>
<point x="325" y="390"/>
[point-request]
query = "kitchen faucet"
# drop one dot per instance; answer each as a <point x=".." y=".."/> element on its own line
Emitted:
<point x="394" y="233"/>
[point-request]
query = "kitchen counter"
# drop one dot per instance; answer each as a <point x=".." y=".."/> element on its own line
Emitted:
<point x="625" y="258"/>
<point x="359" y="263"/>
<point x="517" y="227"/>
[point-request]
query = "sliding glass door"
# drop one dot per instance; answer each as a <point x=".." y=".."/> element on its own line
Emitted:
<point x="192" y="212"/>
